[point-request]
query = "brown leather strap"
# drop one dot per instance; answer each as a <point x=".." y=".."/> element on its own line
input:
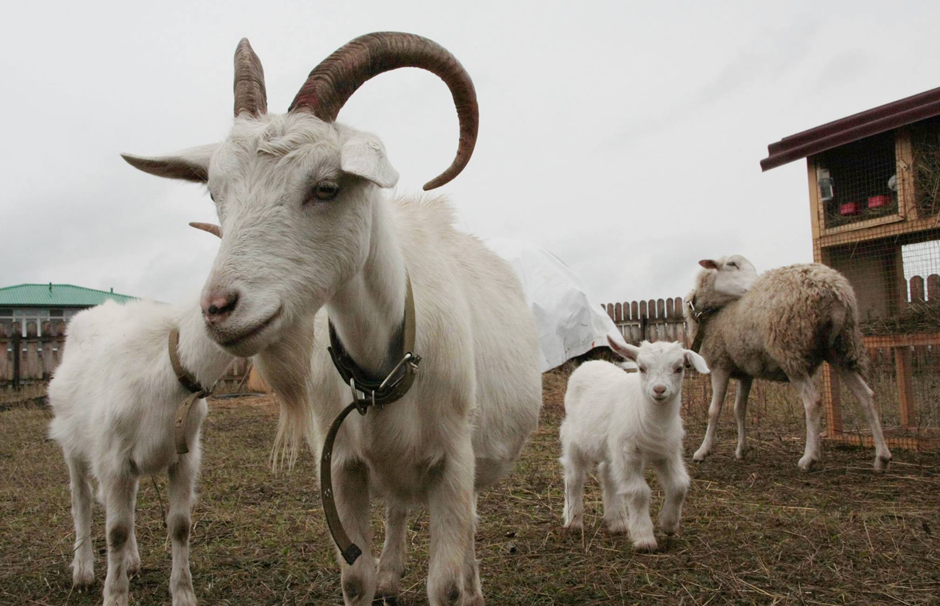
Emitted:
<point x="188" y="381"/>
<point x="378" y="392"/>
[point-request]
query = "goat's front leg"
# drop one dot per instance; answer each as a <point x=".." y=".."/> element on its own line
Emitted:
<point x="615" y="513"/>
<point x="811" y="402"/>
<point x="740" y="415"/>
<point x="83" y="562"/>
<point x="675" y="481"/>
<point x="351" y="492"/>
<point x="392" y="560"/>
<point x="450" y="501"/>
<point x="575" y="471"/>
<point x="473" y="590"/>
<point x="719" y="378"/>
<point x="118" y="491"/>
<point x="628" y="473"/>
<point x="179" y="522"/>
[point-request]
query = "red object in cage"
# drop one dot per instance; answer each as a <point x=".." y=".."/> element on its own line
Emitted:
<point x="877" y="201"/>
<point x="848" y="208"/>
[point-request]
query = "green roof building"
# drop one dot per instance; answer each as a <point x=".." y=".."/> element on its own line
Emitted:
<point x="24" y="303"/>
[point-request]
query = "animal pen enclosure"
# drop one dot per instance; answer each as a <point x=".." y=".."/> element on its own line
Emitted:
<point x="34" y="357"/>
<point x="874" y="191"/>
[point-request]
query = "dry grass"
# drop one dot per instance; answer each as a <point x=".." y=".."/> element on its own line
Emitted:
<point x="756" y="531"/>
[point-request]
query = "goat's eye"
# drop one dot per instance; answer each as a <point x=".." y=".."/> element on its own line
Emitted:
<point x="211" y="196"/>
<point x="642" y="369"/>
<point x="733" y="264"/>
<point x="678" y="370"/>
<point x="325" y="190"/>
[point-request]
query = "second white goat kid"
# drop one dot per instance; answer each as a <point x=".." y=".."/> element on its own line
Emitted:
<point x="622" y="421"/>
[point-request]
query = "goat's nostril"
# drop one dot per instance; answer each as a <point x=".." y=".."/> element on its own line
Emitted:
<point x="220" y="305"/>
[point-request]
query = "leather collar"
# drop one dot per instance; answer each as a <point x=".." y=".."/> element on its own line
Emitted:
<point x="188" y="381"/>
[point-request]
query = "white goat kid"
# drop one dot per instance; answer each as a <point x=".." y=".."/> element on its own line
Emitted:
<point x="306" y="226"/>
<point x="622" y="421"/>
<point x="115" y="398"/>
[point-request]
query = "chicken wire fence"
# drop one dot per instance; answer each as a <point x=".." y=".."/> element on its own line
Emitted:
<point x="877" y="202"/>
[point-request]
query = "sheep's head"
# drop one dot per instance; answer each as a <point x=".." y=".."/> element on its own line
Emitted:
<point x="726" y="279"/>
<point x="295" y="193"/>
<point x="661" y="366"/>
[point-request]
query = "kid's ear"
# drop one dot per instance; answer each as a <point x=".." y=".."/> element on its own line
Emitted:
<point x="625" y="350"/>
<point x="697" y="361"/>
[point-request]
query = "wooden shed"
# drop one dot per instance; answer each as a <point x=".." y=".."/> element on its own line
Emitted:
<point x="874" y="194"/>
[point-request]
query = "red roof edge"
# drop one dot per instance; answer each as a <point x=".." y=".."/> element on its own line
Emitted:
<point x="852" y="128"/>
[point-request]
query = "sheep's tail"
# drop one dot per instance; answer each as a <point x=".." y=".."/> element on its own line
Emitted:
<point x="845" y="339"/>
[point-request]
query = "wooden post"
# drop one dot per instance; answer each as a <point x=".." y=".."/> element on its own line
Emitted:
<point x="832" y="402"/>
<point x="16" y="356"/>
<point x="904" y="164"/>
<point x="903" y="365"/>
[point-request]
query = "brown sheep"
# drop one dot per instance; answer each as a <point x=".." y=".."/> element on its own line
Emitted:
<point x="780" y="326"/>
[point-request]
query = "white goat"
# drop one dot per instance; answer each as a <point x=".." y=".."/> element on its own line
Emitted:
<point x="115" y="398"/>
<point x="622" y="421"/>
<point x="780" y="326"/>
<point x="306" y="226"/>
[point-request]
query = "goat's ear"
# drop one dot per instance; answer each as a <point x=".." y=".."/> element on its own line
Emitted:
<point x="708" y="264"/>
<point x="190" y="164"/>
<point x="363" y="155"/>
<point x="625" y="350"/>
<point x="697" y="361"/>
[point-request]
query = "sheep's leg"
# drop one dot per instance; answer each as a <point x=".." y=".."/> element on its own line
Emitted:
<point x="864" y="394"/>
<point x="575" y="472"/>
<point x="181" y="493"/>
<point x="450" y="501"/>
<point x="719" y="378"/>
<point x="83" y="563"/>
<point x="628" y="472"/>
<point x="392" y="561"/>
<point x="351" y="493"/>
<point x="811" y="403"/>
<point x="615" y="512"/>
<point x="118" y="491"/>
<point x="740" y="413"/>
<point x="675" y="482"/>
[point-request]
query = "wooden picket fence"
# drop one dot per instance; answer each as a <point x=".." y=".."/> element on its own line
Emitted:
<point x="653" y="320"/>
<point x="34" y="358"/>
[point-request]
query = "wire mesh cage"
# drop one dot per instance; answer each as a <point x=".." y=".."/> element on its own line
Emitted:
<point x="875" y="219"/>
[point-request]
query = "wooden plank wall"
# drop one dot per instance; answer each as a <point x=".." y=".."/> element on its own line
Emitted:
<point x="652" y="320"/>
<point x="40" y="356"/>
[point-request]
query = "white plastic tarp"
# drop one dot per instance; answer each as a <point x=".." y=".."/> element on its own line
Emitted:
<point x="569" y="321"/>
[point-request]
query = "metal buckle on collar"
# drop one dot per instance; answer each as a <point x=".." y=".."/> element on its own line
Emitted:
<point x="695" y="313"/>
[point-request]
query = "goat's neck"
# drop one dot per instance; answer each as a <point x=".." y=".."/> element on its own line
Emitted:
<point x="198" y="353"/>
<point x="367" y="311"/>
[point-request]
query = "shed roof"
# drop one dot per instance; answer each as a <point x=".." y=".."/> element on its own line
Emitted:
<point x="852" y="128"/>
<point x="56" y="295"/>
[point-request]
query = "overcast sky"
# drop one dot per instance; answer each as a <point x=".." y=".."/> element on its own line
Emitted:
<point x="625" y="137"/>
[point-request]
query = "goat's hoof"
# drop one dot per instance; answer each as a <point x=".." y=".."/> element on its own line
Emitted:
<point x="83" y="576"/>
<point x="618" y="527"/>
<point x="575" y="526"/>
<point x="389" y="586"/>
<point x="807" y="463"/>
<point x="133" y="565"/>
<point x="184" y="597"/>
<point x="882" y="462"/>
<point x="699" y="456"/>
<point x="670" y="528"/>
<point x="739" y="453"/>
<point x="645" y="545"/>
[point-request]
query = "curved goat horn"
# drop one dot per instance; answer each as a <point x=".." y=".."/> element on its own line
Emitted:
<point x="333" y="82"/>
<point x="250" y="94"/>
<point x="215" y="230"/>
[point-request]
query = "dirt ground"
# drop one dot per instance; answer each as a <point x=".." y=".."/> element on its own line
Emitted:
<point x="754" y="531"/>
